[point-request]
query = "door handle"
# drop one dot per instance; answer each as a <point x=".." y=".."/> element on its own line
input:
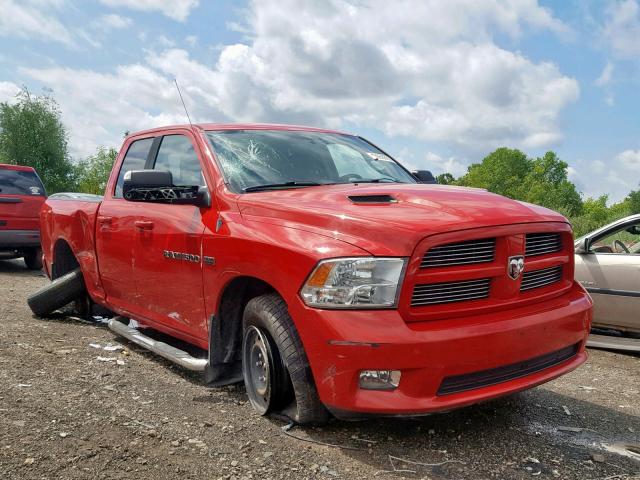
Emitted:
<point x="143" y="224"/>
<point x="102" y="220"/>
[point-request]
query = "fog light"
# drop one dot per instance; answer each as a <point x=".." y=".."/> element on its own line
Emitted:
<point x="379" y="379"/>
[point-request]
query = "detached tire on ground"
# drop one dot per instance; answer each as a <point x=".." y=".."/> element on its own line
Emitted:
<point x="286" y="385"/>
<point x="57" y="294"/>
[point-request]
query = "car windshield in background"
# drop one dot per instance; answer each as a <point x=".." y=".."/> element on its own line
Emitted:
<point x="254" y="160"/>
<point x="20" y="182"/>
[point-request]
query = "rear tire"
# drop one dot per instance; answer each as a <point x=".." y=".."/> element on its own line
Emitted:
<point x="33" y="259"/>
<point x="291" y="386"/>
<point x="57" y="294"/>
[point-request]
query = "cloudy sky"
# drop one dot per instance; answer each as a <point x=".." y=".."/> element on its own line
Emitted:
<point x="437" y="83"/>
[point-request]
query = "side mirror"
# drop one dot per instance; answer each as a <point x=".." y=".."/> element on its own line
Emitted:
<point x="582" y="245"/>
<point x="424" y="176"/>
<point x="157" y="186"/>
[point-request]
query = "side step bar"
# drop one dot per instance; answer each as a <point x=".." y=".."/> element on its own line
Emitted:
<point x="173" y="354"/>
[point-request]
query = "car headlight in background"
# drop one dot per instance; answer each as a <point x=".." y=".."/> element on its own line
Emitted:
<point x="360" y="282"/>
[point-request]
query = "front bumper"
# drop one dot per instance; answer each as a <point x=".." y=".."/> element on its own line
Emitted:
<point x="19" y="238"/>
<point x="341" y="343"/>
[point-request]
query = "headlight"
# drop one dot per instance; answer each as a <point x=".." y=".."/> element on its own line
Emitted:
<point x="361" y="282"/>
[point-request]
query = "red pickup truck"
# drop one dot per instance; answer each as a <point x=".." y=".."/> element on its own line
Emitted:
<point x="21" y="196"/>
<point x="316" y="268"/>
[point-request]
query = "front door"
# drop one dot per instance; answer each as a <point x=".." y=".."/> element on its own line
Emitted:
<point x="610" y="271"/>
<point x="168" y="257"/>
<point x="115" y="232"/>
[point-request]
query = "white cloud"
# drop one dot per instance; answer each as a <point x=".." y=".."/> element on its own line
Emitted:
<point x="606" y="75"/>
<point x="438" y="165"/>
<point x="631" y="160"/>
<point x="176" y="9"/>
<point x="425" y="69"/>
<point x="8" y="91"/>
<point x="112" y="22"/>
<point x="622" y="29"/>
<point x="377" y="65"/>
<point x="615" y="177"/>
<point x="31" y="19"/>
<point x="98" y="108"/>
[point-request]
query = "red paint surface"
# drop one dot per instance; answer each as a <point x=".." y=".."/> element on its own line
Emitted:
<point x="279" y="236"/>
<point x="23" y="215"/>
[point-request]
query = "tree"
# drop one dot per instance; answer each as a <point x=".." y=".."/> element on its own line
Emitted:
<point x="501" y="172"/>
<point x="445" y="179"/>
<point x="547" y="184"/>
<point x="633" y="202"/>
<point x="93" y="172"/>
<point x="542" y="181"/>
<point x="32" y="133"/>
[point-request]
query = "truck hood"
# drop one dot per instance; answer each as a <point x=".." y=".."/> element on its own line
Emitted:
<point x="388" y="219"/>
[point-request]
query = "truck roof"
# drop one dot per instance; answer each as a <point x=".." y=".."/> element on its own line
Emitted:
<point x="238" y="126"/>
<point x="22" y="168"/>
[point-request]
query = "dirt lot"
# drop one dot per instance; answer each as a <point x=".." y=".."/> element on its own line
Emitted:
<point x="66" y="414"/>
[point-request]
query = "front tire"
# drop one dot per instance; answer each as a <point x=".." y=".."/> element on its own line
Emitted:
<point x="288" y="383"/>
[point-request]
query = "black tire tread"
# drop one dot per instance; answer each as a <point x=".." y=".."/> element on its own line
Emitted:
<point x="308" y="408"/>
<point x="57" y="294"/>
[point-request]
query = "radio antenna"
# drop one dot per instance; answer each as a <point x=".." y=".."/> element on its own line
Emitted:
<point x="182" y="100"/>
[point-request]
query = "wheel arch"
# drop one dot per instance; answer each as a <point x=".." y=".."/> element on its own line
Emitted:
<point x="225" y="329"/>
<point x="63" y="259"/>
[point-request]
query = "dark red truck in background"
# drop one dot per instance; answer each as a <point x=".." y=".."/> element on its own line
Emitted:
<point x="21" y="196"/>
<point x="315" y="267"/>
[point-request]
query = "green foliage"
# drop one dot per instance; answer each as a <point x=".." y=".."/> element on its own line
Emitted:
<point x="633" y="202"/>
<point x="445" y="179"/>
<point x="543" y="181"/>
<point x="32" y="133"/>
<point x="93" y="172"/>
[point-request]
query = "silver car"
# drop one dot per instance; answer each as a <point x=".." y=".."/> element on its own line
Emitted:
<point x="608" y="266"/>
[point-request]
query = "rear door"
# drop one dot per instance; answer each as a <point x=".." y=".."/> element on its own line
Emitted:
<point x="21" y="196"/>
<point x="168" y="255"/>
<point x="116" y="231"/>
<point x="611" y="274"/>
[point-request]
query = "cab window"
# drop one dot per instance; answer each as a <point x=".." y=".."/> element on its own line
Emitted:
<point x="177" y="155"/>
<point x="135" y="159"/>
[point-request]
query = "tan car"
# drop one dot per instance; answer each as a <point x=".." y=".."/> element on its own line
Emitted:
<point x="608" y="266"/>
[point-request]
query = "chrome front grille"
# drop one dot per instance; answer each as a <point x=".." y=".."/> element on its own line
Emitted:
<point x="542" y="243"/>
<point x="462" y="253"/>
<point x="449" y="292"/>
<point x="540" y="278"/>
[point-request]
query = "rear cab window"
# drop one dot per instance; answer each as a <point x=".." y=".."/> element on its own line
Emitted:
<point x="135" y="159"/>
<point x="20" y="182"/>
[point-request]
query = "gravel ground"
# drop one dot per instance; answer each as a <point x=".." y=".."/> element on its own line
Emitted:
<point x="66" y="414"/>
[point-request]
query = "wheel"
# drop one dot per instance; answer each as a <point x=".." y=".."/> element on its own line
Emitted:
<point x="33" y="259"/>
<point x="275" y="368"/>
<point x="262" y="376"/>
<point x="57" y="294"/>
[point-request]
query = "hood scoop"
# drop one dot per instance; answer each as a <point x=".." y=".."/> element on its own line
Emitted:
<point x="372" y="199"/>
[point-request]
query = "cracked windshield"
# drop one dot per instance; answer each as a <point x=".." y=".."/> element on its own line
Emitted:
<point x="262" y="159"/>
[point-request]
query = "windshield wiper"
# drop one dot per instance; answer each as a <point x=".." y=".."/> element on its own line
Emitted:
<point x="377" y="180"/>
<point x="275" y="186"/>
